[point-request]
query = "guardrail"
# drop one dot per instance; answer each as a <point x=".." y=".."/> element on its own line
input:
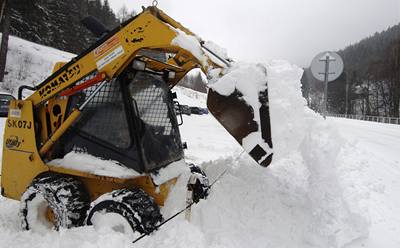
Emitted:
<point x="381" y="119"/>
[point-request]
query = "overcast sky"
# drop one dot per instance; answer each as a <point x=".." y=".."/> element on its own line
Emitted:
<point x="294" y="30"/>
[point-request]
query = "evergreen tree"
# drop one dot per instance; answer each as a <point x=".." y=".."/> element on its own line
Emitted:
<point x="373" y="69"/>
<point x="57" y="23"/>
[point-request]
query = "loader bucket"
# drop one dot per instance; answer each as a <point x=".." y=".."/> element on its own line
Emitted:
<point x="238" y="118"/>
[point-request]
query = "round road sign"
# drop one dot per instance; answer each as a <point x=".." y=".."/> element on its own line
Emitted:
<point x="318" y="66"/>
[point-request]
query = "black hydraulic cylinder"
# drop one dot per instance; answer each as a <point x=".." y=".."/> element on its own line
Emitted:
<point x="94" y="26"/>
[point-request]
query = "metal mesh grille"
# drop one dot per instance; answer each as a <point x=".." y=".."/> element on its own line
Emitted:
<point x="104" y="116"/>
<point x="161" y="140"/>
<point x="151" y="99"/>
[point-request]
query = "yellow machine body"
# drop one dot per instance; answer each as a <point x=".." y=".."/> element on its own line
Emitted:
<point x="22" y="161"/>
<point x="31" y="128"/>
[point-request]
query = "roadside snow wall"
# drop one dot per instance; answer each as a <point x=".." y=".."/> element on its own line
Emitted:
<point x="333" y="222"/>
<point x="301" y="200"/>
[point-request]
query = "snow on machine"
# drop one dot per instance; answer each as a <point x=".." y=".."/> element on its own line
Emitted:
<point x="114" y="102"/>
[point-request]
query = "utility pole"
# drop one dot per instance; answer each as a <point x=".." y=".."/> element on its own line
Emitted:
<point x="5" y="21"/>
<point x="347" y="94"/>
<point x="326" y="60"/>
<point x="326" y="67"/>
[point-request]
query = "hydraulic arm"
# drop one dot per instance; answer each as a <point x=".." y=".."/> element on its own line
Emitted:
<point x="153" y="29"/>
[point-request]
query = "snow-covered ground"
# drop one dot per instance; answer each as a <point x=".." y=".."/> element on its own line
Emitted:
<point x="332" y="183"/>
<point x="378" y="168"/>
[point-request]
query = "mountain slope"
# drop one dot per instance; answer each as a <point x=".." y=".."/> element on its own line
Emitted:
<point x="57" y="23"/>
<point x="29" y="63"/>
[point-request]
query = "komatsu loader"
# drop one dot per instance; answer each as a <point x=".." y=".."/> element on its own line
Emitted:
<point x="114" y="102"/>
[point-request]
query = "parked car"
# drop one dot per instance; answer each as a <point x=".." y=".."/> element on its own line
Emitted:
<point x="5" y="99"/>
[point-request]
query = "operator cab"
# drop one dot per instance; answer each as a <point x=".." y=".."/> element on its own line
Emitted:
<point x="131" y="120"/>
<point x="154" y="108"/>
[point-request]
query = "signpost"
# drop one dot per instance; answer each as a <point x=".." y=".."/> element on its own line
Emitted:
<point x="326" y="67"/>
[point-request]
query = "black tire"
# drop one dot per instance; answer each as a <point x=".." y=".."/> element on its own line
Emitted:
<point x="63" y="196"/>
<point x="134" y="205"/>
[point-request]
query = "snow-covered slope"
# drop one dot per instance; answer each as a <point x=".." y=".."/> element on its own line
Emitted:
<point x="328" y="186"/>
<point x="29" y="63"/>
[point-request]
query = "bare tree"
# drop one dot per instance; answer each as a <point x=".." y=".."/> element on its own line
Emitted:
<point x="124" y="14"/>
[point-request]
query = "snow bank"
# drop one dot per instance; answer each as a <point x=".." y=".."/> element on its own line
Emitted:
<point x="171" y="171"/>
<point x="295" y="128"/>
<point x="307" y="158"/>
<point x="288" y="110"/>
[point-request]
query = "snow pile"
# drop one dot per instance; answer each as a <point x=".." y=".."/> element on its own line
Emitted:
<point x="173" y="170"/>
<point x="301" y="200"/>
<point x="308" y="155"/>
<point x="288" y="111"/>
<point x="295" y="128"/>
<point x="91" y="164"/>
<point x="335" y="220"/>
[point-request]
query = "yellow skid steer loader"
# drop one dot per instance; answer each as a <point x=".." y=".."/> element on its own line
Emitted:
<point x="114" y="102"/>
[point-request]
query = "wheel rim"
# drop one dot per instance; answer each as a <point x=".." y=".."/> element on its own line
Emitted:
<point x="50" y="215"/>
<point x="39" y="215"/>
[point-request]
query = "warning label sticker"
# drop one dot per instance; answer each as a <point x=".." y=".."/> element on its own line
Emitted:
<point x="15" y="113"/>
<point x="110" y="57"/>
<point x="106" y="46"/>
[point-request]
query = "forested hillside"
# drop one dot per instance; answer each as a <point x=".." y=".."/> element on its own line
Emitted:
<point x="57" y="23"/>
<point x="372" y="70"/>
